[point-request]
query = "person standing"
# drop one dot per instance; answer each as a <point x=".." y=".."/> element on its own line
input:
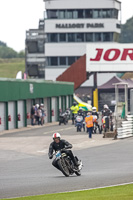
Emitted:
<point x="36" y="117"/>
<point x="39" y="115"/>
<point x="89" y="124"/>
<point x="74" y="108"/>
<point x="43" y="113"/>
<point x="32" y="113"/>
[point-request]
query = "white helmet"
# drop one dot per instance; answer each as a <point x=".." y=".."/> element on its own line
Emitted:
<point x="106" y="106"/>
<point x="37" y="105"/>
<point x="80" y="108"/>
<point x="56" y="135"/>
<point x="94" y="108"/>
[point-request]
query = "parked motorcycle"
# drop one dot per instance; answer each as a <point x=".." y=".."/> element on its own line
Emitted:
<point x="66" y="165"/>
<point x="79" y="123"/>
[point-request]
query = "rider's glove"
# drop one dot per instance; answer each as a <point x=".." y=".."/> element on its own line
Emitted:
<point x="62" y="150"/>
<point x="50" y="156"/>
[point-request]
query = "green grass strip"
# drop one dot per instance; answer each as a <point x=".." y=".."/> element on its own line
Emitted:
<point x="10" y="67"/>
<point x="124" y="192"/>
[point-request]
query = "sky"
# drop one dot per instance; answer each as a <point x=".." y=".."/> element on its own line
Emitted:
<point x="17" y="16"/>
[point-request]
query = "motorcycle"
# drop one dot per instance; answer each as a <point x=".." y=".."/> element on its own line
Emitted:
<point x="63" y="118"/>
<point x="107" y="123"/>
<point x="66" y="165"/>
<point x="79" y="123"/>
<point x="96" y="128"/>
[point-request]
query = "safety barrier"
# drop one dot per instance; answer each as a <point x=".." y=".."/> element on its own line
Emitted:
<point x="126" y="129"/>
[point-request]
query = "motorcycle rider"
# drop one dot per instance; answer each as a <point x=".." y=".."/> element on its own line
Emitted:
<point x="107" y="115"/>
<point x="62" y="145"/>
<point x="95" y="118"/>
<point x="74" y="108"/>
<point x="106" y="111"/>
<point x="80" y="112"/>
<point x="94" y="112"/>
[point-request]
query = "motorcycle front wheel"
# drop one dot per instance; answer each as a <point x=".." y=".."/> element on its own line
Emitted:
<point x="63" y="167"/>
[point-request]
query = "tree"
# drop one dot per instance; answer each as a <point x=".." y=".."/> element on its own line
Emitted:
<point x="126" y="35"/>
<point x="6" y="52"/>
<point x="2" y="44"/>
<point x="21" y="54"/>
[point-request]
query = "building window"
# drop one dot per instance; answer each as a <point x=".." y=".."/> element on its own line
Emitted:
<point x="77" y="37"/>
<point x="98" y="37"/>
<point x="61" y="14"/>
<point x="80" y="37"/>
<point x="69" y="14"/>
<point x="106" y="13"/>
<point x="62" y="60"/>
<point x="62" y="37"/>
<point x="75" y="14"/>
<point x="53" y="37"/>
<point x="54" y="61"/>
<point x="115" y="13"/>
<point x="118" y="26"/>
<point x="80" y="13"/>
<point x="48" y="61"/>
<point x="89" y="37"/>
<point x="97" y="13"/>
<point x="88" y="13"/>
<point x="71" y="60"/>
<point x="52" y="14"/>
<point x="71" y="37"/>
<point x="32" y="47"/>
<point x="40" y="46"/>
<point x="106" y="37"/>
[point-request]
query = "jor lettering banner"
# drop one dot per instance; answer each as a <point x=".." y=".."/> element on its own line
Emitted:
<point x="109" y="57"/>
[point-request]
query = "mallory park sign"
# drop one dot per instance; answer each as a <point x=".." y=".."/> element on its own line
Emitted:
<point x="109" y="57"/>
<point x="80" y="25"/>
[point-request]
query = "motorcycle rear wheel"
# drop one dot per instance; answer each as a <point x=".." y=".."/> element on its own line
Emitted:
<point x="62" y="165"/>
<point x="78" y="173"/>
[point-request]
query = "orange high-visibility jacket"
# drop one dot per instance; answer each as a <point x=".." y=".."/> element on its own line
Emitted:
<point x="89" y="121"/>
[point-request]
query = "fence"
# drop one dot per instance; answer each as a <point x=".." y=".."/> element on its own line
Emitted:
<point x="126" y="129"/>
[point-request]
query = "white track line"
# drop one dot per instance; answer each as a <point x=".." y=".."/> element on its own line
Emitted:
<point x="99" y="187"/>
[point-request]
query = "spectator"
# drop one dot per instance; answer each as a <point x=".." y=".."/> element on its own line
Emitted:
<point x="43" y="113"/>
<point x="39" y="115"/>
<point x="32" y="113"/>
<point x="36" y="115"/>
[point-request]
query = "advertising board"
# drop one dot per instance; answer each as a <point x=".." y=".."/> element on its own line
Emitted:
<point x="109" y="57"/>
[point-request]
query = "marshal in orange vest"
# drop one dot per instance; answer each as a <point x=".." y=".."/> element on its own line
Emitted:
<point x="89" y="121"/>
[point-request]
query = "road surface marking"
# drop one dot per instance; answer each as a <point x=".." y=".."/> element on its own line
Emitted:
<point x="54" y="131"/>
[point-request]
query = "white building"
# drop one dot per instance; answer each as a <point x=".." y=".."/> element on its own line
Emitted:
<point x="68" y="26"/>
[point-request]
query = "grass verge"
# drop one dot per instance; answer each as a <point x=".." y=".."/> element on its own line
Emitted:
<point x="124" y="192"/>
<point x="10" y="67"/>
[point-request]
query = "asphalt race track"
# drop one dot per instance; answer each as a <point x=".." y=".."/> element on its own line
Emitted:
<point x="25" y="174"/>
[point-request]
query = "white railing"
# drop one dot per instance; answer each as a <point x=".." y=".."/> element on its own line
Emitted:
<point x="126" y="129"/>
